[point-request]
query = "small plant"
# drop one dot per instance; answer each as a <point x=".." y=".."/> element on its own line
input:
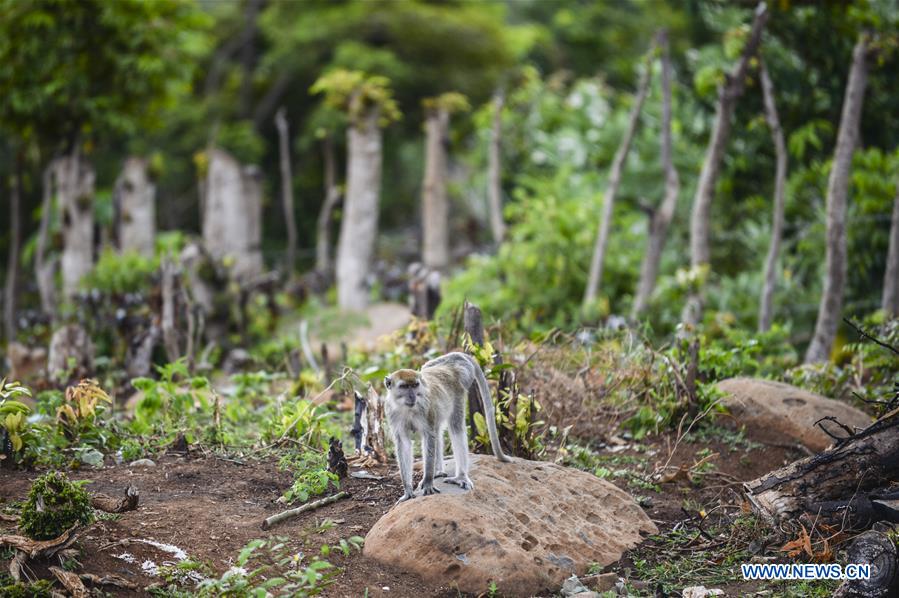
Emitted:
<point x="83" y="403"/>
<point x="54" y="505"/>
<point x="303" y="421"/>
<point x="12" y="417"/>
<point x="269" y="567"/>
<point x="311" y="475"/>
<point x="41" y="588"/>
<point x="175" y="403"/>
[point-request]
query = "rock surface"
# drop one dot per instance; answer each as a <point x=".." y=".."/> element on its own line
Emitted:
<point x="778" y="411"/>
<point x="527" y="525"/>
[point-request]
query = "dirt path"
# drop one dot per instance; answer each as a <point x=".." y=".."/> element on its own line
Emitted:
<point x="211" y="508"/>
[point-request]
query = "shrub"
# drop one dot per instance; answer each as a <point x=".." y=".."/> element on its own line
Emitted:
<point x="54" y="505"/>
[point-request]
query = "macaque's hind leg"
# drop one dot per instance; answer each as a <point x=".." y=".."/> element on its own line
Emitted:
<point x="460" y="456"/>
<point x="438" y="461"/>
<point x="439" y="465"/>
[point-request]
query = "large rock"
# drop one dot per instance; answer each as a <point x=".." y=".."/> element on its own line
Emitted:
<point x="527" y="526"/>
<point x="780" y="412"/>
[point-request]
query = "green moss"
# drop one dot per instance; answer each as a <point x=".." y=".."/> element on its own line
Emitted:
<point x="39" y="589"/>
<point x="54" y="505"/>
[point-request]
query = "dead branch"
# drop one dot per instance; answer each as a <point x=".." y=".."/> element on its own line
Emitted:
<point x="107" y="580"/>
<point x="109" y="504"/>
<point x="290" y="513"/>
<point x="70" y="582"/>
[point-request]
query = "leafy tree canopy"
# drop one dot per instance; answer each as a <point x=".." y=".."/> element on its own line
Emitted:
<point x="109" y="66"/>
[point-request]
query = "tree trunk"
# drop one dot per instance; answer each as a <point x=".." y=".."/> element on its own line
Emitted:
<point x="359" y="227"/>
<point x="248" y="55"/>
<point x="494" y="178"/>
<point x="135" y="199"/>
<point x="662" y="217"/>
<point x="780" y="181"/>
<point x="232" y="214"/>
<point x="831" y="306"/>
<point x="12" y="263"/>
<point x="838" y="486"/>
<point x="728" y="94"/>
<point x="605" y="222"/>
<point x="332" y="198"/>
<point x="435" y="212"/>
<point x="45" y="271"/>
<point x="287" y="191"/>
<point x="891" y="277"/>
<point x="75" y="195"/>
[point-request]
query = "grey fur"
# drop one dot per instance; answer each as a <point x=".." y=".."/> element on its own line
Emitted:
<point x="428" y="402"/>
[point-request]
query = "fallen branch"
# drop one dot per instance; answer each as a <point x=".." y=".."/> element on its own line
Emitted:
<point x="268" y="523"/>
<point x="109" y="504"/>
<point x="108" y="580"/>
<point x="9" y="518"/>
<point x="40" y="548"/>
<point x="836" y="484"/>
<point x="70" y="581"/>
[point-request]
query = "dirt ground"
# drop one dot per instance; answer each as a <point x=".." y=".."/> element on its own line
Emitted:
<point x="210" y="508"/>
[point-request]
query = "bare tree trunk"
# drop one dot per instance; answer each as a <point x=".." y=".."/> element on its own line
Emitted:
<point x="332" y="198"/>
<point x="232" y="214"/>
<point x="248" y="54"/>
<point x="702" y="203"/>
<point x="494" y="179"/>
<point x="662" y="217"/>
<point x="287" y="190"/>
<point x="45" y="271"/>
<point x="766" y="303"/>
<point x="359" y="227"/>
<point x="891" y="277"/>
<point x="12" y="263"/>
<point x="135" y="199"/>
<point x="831" y="306"/>
<point x="605" y="222"/>
<point x="167" y="319"/>
<point x="435" y="212"/>
<point x="75" y="194"/>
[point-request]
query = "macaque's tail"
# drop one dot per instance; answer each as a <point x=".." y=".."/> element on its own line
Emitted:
<point x="489" y="413"/>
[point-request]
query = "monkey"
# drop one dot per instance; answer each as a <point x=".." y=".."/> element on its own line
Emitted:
<point x="429" y="401"/>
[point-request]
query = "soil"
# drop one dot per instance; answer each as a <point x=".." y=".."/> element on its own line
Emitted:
<point x="211" y="508"/>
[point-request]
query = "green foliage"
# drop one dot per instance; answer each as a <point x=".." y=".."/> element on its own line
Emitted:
<point x="174" y="404"/>
<point x="41" y="588"/>
<point x="865" y="372"/>
<point x="109" y="65"/>
<point x="301" y="420"/>
<point x="119" y="273"/>
<point x="264" y="567"/>
<point x="311" y="475"/>
<point x="54" y="505"/>
<point x="12" y="417"/>
<point x="451" y="102"/>
<point x="357" y="93"/>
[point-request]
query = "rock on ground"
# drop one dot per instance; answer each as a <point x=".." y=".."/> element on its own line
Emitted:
<point x="527" y="526"/>
<point x="777" y="411"/>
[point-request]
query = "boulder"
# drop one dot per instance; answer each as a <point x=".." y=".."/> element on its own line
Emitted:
<point x="527" y="525"/>
<point x="780" y="412"/>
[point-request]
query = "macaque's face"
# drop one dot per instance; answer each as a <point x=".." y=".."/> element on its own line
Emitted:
<point x="404" y="387"/>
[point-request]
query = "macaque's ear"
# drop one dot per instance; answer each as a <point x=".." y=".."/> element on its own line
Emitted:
<point x="387" y="382"/>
